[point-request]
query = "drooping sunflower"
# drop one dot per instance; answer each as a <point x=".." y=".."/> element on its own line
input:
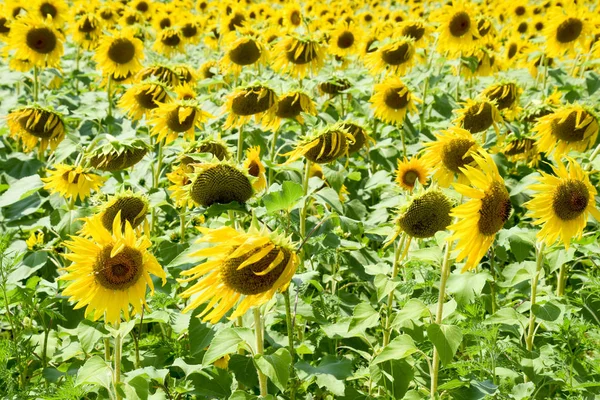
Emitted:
<point x="485" y="30"/>
<point x="131" y="207"/>
<point x="245" y="270"/>
<point x="242" y="52"/>
<point x="487" y="62"/>
<point x="140" y="99"/>
<point x="345" y="39"/>
<point x="216" y="147"/>
<point x="457" y="29"/>
<point x="110" y="271"/>
<point x="392" y="100"/>
<point x="86" y="30"/>
<point x="562" y="203"/>
<point x="37" y="41"/>
<point x="409" y="172"/>
<point x="479" y="219"/>
<point x="179" y="116"/>
<point x="506" y="96"/>
<point x="115" y="154"/>
<point x="571" y="127"/>
<point x="522" y="149"/>
<point x="120" y="54"/>
<point x="36" y="125"/>
<point x="418" y="30"/>
<point x="72" y="182"/>
<point x="359" y="134"/>
<point x="478" y="115"/>
<point x="160" y="72"/>
<point x="219" y="182"/>
<point x="323" y="146"/>
<point x="452" y="150"/>
<point x="566" y="26"/>
<point x="255" y="168"/>
<point x="187" y="75"/>
<point x="298" y="56"/>
<point x="292" y="104"/>
<point x="256" y="101"/>
<point x="395" y="57"/>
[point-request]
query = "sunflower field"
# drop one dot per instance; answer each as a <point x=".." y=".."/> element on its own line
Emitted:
<point x="251" y="199"/>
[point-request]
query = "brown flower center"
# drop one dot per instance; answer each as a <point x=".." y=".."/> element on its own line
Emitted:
<point x="253" y="101"/>
<point x="176" y="125"/>
<point x="121" y="271"/>
<point x="426" y="215"/>
<point x="453" y="154"/>
<point x="399" y="55"/>
<point x="306" y="55"/>
<point x="121" y="51"/>
<point x="345" y="40"/>
<point x="495" y="209"/>
<point x="415" y="31"/>
<point x="171" y="39"/>
<point x="569" y="30"/>
<point x="221" y="184"/>
<point x="133" y="209"/>
<point x="570" y="199"/>
<point x="48" y="9"/>
<point x="246" y="53"/>
<point x="394" y="100"/>
<point x="460" y="24"/>
<point x="476" y="121"/>
<point x="189" y="30"/>
<point x="41" y="40"/>
<point x="568" y="131"/>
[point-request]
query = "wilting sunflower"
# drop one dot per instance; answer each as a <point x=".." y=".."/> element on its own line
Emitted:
<point x="140" y="99"/>
<point x="452" y="150"/>
<point x="334" y="86"/>
<point x="479" y="219"/>
<point x="33" y="125"/>
<point x="180" y="116"/>
<point x="245" y="270"/>
<point x="457" y="28"/>
<point x="522" y="149"/>
<point x="110" y="271"/>
<point x="298" y="56"/>
<point x="345" y="39"/>
<point x="219" y="182"/>
<point x="216" y="147"/>
<point x="393" y="58"/>
<point x="255" y="168"/>
<point x="187" y="75"/>
<point x="487" y="62"/>
<point x="37" y="41"/>
<point x="426" y="213"/>
<point x="117" y="154"/>
<point x="160" y="72"/>
<point x="360" y="135"/>
<point x="256" y="101"/>
<point x="478" y="115"/>
<point x="120" y="54"/>
<point x="292" y="104"/>
<point x="485" y="30"/>
<point x="132" y="208"/>
<point x="242" y="52"/>
<point x="506" y="96"/>
<point x="566" y="26"/>
<point x="562" y="203"/>
<point x="409" y="172"/>
<point x="392" y="100"/>
<point x="571" y="127"/>
<point x="86" y="30"/>
<point x="169" y="42"/>
<point x="323" y="146"/>
<point x="72" y="181"/>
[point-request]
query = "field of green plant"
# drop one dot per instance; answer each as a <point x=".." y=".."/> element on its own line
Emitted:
<point x="354" y="199"/>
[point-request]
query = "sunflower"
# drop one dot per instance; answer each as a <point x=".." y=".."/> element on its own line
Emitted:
<point x="255" y="168"/>
<point x="110" y="271"/>
<point x="487" y="62"/>
<point x="117" y="154"/>
<point x="180" y="179"/>
<point x="242" y="52"/>
<point x="562" y="203"/>
<point x="209" y="69"/>
<point x="72" y="181"/>
<point x="35" y="241"/>
<point x="108" y="13"/>
<point x="216" y="147"/>
<point x="144" y="7"/>
<point x="522" y="149"/>
<point x="506" y="96"/>
<point x="140" y="99"/>
<point x="485" y="30"/>
<point x="245" y="270"/>
<point x="34" y="124"/>
<point x="160" y="72"/>
<point x="237" y="19"/>
<point x="256" y="101"/>
<point x="416" y="29"/>
<point x="169" y="42"/>
<point x="479" y="219"/>
<point x="478" y="115"/>
<point x="57" y="10"/>
<point x="37" y="41"/>
<point x="345" y="39"/>
<point x="191" y="30"/>
<point x="179" y="116"/>
<point x="409" y="172"/>
<point x="393" y="58"/>
<point x="392" y="100"/>
<point x="360" y="135"/>
<point x="565" y="28"/>
<point x="293" y="15"/>
<point x="298" y="56"/>
<point x="187" y="75"/>
<point x="120" y="54"/>
<point x="571" y="127"/>
<point x="292" y="104"/>
<point x="458" y="31"/>
<point x="323" y="146"/>
<point x="131" y="207"/>
<point x="452" y="150"/>
<point x="87" y="30"/>
<point x="219" y="182"/>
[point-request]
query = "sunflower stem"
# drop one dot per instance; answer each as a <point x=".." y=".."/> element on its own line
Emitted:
<point x="539" y="258"/>
<point x="36" y="83"/>
<point x="110" y="105"/>
<point x="492" y="255"/>
<point x="562" y="280"/>
<point x="458" y="77"/>
<point x="343" y="108"/>
<point x="272" y="154"/>
<point x="182" y="223"/>
<point x="439" y="316"/>
<point x="290" y="333"/>
<point x="258" y="328"/>
<point x="107" y="350"/>
<point x="305" y="206"/>
<point x="403" y="139"/>
<point x="592" y="157"/>
<point x="387" y="333"/>
<point x="117" y="370"/>
<point x="240" y="143"/>
<point x="77" y="57"/>
<point x="424" y="107"/>
<point x="545" y="78"/>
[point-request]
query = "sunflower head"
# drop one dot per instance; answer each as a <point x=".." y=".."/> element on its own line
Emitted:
<point x="478" y="115"/>
<point x="120" y="54"/>
<point x="395" y="57"/>
<point x="37" y="40"/>
<point x="248" y="268"/>
<point x="115" y="154"/>
<point x="72" y="182"/>
<point x="323" y="146"/>
<point x="243" y="51"/>
<point x="458" y="29"/>
<point x="131" y="207"/>
<point x="255" y="168"/>
<point x="187" y="75"/>
<point x="139" y="100"/>
<point x="360" y="135"/>
<point x="298" y="56"/>
<point x="334" y="86"/>
<point x="522" y="149"/>
<point x="565" y="29"/>
<point x="217" y="148"/>
<point x="506" y="96"/>
<point x="257" y="100"/>
<point x="392" y="99"/>
<point x="34" y="124"/>
<point x="221" y="183"/>
<point x="425" y="214"/>
<point x="409" y="172"/>
<point x="169" y="42"/>
<point x="162" y="73"/>
<point x="292" y="104"/>
<point x="178" y="117"/>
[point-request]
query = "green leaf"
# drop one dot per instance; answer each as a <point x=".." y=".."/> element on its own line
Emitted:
<point x="89" y="334"/>
<point x="508" y="316"/>
<point x="20" y="189"/>
<point x="364" y="316"/>
<point x="332" y="198"/>
<point x="521" y="247"/>
<point x="412" y="311"/>
<point x="384" y="285"/>
<point x="330" y="373"/>
<point x="547" y="312"/>
<point x="285" y="197"/>
<point x="95" y="371"/>
<point x="188" y="369"/>
<point x="396" y="375"/>
<point x="275" y="366"/>
<point x="522" y="391"/>
<point x="446" y="339"/>
<point x="467" y="286"/>
<point x="200" y="336"/>
<point x="399" y="348"/>
<point x="228" y="341"/>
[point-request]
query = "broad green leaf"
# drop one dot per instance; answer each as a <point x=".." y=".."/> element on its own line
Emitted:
<point x="275" y="366"/>
<point x="364" y="316"/>
<point x="200" y="335"/>
<point x="522" y="391"/>
<point x="20" y="189"/>
<point x="188" y="369"/>
<point x="399" y="348"/>
<point x="413" y="310"/>
<point x="89" y="334"/>
<point x="332" y="198"/>
<point x="384" y="285"/>
<point x="285" y="197"/>
<point x="547" y="312"/>
<point x="466" y="287"/>
<point x="228" y="341"/>
<point x="397" y="375"/>
<point x="446" y="339"/>
<point x="95" y="371"/>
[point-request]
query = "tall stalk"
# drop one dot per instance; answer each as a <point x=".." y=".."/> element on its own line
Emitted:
<point x="387" y="332"/>
<point x="272" y="154"/>
<point x="36" y="83"/>
<point x="258" y="328"/>
<point x="304" y="209"/>
<point x="539" y="262"/>
<point x="240" y="143"/>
